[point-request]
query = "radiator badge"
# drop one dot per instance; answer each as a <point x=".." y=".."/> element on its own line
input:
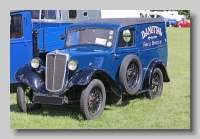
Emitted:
<point x="55" y="52"/>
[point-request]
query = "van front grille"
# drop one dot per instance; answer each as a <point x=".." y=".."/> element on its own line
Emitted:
<point x="55" y="71"/>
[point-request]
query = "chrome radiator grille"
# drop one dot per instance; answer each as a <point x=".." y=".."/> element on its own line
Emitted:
<point x="55" y="71"/>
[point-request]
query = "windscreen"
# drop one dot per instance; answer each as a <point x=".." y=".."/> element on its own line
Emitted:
<point x="90" y="36"/>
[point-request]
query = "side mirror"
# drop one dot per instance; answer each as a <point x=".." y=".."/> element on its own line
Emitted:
<point x="62" y="37"/>
<point x="127" y="35"/>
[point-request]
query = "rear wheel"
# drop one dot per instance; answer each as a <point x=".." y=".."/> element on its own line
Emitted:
<point x="179" y="26"/>
<point x="156" y="84"/>
<point x="24" y="99"/>
<point x="92" y="101"/>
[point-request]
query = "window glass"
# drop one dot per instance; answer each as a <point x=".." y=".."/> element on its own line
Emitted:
<point x="72" y="14"/>
<point x="90" y="37"/>
<point x="16" y="26"/>
<point x="48" y="14"/>
<point x="123" y="43"/>
<point x="35" y="14"/>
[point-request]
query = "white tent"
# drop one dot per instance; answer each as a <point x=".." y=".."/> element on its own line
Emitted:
<point x="121" y="13"/>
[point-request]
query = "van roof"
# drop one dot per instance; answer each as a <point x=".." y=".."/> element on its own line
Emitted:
<point x="122" y="21"/>
<point x="13" y="11"/>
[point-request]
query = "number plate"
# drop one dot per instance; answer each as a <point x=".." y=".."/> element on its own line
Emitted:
<point x="48" y="100"/>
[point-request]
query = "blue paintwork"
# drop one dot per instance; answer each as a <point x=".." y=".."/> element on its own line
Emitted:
<point x="148" y="74"/>
<point x="21" y="49"/>
<point x="147" y="53"/>
<point x="36" y="25"/>
<point x="99" y="57"/>
<point x="49" y="38"/>
<point x="150" y="48"/>
<point x="31" y="77"/>
<point x="83" y="77"/>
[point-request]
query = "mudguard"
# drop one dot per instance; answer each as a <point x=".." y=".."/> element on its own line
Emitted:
<point x="83" y="77"/>
<point x="148" y="76"/>
<point x="29" y="76"/>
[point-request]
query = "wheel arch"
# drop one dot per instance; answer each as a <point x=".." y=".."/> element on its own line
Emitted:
<point x="85" y="76"/>
<point x="29" y="76"/>
<point x="148" y="75"/>
<point x="164" y="72"/>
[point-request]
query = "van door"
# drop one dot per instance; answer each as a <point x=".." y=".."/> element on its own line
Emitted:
<point x="21" y="50"/>
<point x="123" y="49"/>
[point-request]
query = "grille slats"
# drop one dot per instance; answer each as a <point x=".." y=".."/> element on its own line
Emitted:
<point x="55" y="72"/>
<point x="49" y="72"/>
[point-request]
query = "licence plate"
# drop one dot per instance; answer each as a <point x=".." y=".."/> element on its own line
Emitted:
<point x="48" y="100"/>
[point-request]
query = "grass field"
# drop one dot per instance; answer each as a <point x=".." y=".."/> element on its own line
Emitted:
<point x="170" y="111"/>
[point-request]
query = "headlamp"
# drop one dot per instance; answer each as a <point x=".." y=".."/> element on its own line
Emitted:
<point x="72" y="65"/>
<point x="36" y="62"/>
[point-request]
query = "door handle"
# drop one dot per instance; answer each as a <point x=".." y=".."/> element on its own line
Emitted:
<point x="25" y="42"/>
<point x="116" y="56"/>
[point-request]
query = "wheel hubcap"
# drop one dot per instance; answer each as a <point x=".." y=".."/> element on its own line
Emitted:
<point x="94" y="101"/>
<point x="155" y="83"/>
<point x="132" y="75"/>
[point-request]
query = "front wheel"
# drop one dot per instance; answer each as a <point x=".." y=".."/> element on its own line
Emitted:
<point x="92" y="101"/>
<point x="24" y="99"/>
<point x="156" y="84"/>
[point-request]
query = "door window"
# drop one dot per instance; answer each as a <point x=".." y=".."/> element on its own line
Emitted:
<point x="16" y="30"/>
<point x="126" y="38"/>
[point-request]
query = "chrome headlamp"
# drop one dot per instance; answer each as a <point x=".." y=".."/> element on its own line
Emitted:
<point x="36" y="63"/>
<point x="72" y="65"/>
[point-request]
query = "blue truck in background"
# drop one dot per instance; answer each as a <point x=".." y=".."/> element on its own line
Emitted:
<point x="36" y="32"/>
<point x="171" y="22"/>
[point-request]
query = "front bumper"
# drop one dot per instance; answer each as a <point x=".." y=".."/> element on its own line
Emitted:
<point x="47" y="99"/>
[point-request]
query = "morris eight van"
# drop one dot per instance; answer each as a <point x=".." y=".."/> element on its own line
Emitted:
<point x="102" y="60"/>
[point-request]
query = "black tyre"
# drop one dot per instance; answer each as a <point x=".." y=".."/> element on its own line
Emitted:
<point x="92" y="101"/>
<point x="156" y="84"/>
<point x="130" y="74"/>
<point x="24" y="99"/>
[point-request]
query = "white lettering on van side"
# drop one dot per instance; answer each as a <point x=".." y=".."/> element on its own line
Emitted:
<point x="151" y="30"/>
<point x="146" y="44"/>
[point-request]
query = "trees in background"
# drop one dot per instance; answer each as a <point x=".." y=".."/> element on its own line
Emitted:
<point x="181" y="12"/>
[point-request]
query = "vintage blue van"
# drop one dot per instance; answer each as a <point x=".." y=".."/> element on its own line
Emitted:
<point x="102" y="61"/>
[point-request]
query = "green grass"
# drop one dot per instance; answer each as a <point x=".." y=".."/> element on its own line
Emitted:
<point x="170" y="111"/>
